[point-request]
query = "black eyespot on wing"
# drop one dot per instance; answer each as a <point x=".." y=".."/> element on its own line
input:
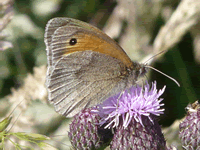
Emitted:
<point x="73" y="41"/>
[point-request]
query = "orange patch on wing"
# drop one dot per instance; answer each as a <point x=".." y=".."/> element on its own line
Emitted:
<point x="97" y="44"/>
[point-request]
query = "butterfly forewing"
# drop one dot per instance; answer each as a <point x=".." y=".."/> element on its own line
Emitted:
<point x="83" y="74"/>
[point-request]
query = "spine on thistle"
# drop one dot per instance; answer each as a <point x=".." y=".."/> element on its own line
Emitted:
<point x="189" y="128"/>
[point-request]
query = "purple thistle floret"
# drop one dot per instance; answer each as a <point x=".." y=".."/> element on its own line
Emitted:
<point x="132" y="104"/>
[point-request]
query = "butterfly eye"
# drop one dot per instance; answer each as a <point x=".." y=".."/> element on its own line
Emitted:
<point x="73" y="41"/>
<point x="143" y="70"/>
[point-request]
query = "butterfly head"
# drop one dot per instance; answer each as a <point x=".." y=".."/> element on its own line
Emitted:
<point x="137" y="70"/>
<point x="140" y="69"/>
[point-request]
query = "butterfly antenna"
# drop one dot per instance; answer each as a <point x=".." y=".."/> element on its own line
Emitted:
<point x="164" y="74"/>
<point x="155" y="56"/>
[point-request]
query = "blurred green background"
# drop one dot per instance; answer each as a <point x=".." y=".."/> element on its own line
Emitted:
<point x="27" y="36"/>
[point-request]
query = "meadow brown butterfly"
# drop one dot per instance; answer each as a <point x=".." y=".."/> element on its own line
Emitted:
<point x="85" y="66"/>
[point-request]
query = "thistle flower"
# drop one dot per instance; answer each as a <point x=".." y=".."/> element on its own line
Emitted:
<point x="190" y="127"/>
<point x="86" y="133"/>
<point x="133" y="115"/>
<point x="132" y="104"/>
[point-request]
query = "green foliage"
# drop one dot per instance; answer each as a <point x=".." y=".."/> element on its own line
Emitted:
<point x="34" y="138"/>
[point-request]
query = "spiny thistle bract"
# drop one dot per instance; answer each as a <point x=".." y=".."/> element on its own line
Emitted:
<point x="190" y="128"/>
<point x="137" y="136"/>
<point x="86" y="133"/>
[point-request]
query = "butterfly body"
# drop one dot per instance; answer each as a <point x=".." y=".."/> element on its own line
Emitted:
<point x="85" y="66"/>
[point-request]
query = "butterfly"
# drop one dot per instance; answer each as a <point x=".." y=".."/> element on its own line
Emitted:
<point x="85" y="66"/>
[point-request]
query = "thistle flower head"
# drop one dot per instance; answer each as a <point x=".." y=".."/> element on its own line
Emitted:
<point x="85" y="132"/>
<point x="132" y="104"/>
<point x="190" y="127"/>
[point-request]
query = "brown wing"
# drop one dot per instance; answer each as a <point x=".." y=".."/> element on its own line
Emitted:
<point x="84" y="79"/>
<point x="86" y="73"/>
<point x="91" y="38"/>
